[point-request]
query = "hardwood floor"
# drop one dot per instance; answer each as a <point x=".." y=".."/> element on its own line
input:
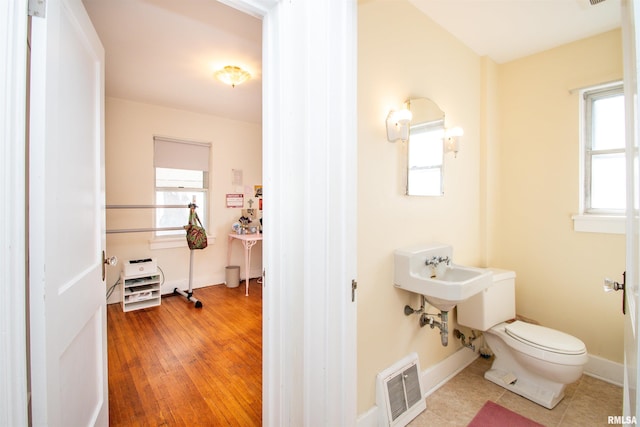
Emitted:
<point x="177" y="365"/>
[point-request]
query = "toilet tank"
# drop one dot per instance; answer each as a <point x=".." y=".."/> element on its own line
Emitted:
<point x="494" y="305"/>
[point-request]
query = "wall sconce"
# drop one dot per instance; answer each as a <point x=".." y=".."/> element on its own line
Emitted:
<point x="452" y="140"/>
<point x="398" y="125"/>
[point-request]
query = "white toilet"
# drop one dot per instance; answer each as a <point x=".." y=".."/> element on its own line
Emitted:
<point x="530" y="360"/>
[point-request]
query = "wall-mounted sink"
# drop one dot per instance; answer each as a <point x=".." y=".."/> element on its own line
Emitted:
<point x="427" y="270"/>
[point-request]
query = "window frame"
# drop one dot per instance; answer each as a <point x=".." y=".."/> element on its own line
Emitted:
<point x="203" y="213"/>
<point x="160" y="239"/>
<point x="590" y="219"/>
<point x="589" y="97"/>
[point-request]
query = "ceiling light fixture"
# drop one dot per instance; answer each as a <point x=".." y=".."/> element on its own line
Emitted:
<point x="232" y="75"/>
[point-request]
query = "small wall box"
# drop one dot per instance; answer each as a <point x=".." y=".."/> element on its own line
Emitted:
<point x="140" y="291"/>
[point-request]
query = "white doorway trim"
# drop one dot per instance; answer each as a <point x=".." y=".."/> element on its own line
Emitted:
<point x="310" y="194"/>
<point x="13" y="87"/>
<point x="309" y="177"/>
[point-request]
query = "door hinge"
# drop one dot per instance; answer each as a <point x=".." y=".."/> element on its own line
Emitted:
<point x="37" y="8"/>
<point x="354" y="286"/>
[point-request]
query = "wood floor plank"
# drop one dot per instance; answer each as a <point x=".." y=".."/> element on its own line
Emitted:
<point x="176" y="365"/>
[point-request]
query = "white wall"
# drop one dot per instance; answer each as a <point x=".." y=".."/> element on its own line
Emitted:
<point x="130" y="128"/>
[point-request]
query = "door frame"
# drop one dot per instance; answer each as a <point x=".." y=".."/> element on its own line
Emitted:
<point x="309" y="250"/>
<point x="14" y="390"/>
<point x="308" y="360"/>
<point x="631" y="399"/>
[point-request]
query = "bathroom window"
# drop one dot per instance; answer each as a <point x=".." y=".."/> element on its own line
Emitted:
<point x="181" y="176"/>
<point x="603" y="162"/>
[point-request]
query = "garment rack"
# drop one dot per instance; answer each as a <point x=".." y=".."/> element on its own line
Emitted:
<point x="148" y="229"/>
<point x="144" y="206"/>
<point x="189" y="293"/>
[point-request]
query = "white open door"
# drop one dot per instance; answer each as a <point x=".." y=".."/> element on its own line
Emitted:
<point x="68" y="344"/>
<point x="631" y="55"/>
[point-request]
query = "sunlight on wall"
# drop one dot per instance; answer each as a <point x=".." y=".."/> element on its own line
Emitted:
<point x="402" y="54"/>
<point x="508" y="196"/>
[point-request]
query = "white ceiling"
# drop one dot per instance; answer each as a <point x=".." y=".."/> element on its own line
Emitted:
<point x="505" y="30"/>
<point x="164" y="52"/>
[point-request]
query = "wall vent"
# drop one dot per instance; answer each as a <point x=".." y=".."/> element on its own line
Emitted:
<point x="399" y="394"/>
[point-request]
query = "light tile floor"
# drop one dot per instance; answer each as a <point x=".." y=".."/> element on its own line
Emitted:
<point x="587" y="402"/>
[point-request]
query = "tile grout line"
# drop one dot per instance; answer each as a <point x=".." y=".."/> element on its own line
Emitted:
<point x="573" y="396"/>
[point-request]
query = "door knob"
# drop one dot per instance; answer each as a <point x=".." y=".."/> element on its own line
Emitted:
<point x="107" y="261"/>
<point x="611" y="286"/>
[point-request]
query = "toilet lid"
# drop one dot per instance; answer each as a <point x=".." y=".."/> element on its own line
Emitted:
<point x="545" y="338"/>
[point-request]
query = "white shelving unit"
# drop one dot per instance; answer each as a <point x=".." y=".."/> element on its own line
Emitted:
<point x="140" y="291"/>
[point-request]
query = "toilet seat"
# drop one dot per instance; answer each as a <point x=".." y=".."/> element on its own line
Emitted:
<point x="545" y="339"/>
<point x="535" y="345"/>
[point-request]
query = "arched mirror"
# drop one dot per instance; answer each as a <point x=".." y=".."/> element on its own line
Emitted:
<point x="425" y="148"/>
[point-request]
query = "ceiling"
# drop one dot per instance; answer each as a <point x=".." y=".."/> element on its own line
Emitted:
<point x="164" y="52"/>
<point x="505" y="30"/>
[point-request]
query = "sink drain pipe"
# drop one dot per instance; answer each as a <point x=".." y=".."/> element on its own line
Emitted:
<point x="443" y="325"/>
<point x="429" y="319"/>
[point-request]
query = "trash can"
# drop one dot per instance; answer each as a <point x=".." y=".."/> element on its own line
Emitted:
<point x="232" y="276"/>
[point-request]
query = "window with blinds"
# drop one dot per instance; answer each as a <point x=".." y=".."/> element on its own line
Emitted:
<point x="181" y="176"/>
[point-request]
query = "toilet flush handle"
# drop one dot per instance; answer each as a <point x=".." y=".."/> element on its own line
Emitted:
<point x="611" y="285"/>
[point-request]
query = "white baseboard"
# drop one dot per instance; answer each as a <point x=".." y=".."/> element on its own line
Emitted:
<point x="201" y="282"/>
<point x="369" y="418"/>
<point x="183" y="284"/>
<point x="605" y="370"/>
<point x="168" y="287"/>
<point x="431" y="378"/>
<point x="437" y="375"/>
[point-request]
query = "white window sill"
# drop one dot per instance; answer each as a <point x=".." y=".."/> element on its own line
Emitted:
<point x="175" y="242"/>
<point x="611" y="224"/>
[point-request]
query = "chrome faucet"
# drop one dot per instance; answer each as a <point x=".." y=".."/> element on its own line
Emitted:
<point x="437" y="260"/>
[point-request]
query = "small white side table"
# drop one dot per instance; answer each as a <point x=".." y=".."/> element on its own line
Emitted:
<point x="248" y="241"/>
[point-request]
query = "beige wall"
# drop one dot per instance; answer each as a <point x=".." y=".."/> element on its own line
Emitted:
<point x="560" y="271"/>
<point x="130" y="128"/>
<point x="402" y="54"/>
<point x="509" y="195"/>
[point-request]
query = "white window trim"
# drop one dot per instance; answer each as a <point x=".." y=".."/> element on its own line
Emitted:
<point x="180" y="241"/>
<point x="609" y="223"/>
<point x="591" y="223"/>
<point x="176" y="242"/>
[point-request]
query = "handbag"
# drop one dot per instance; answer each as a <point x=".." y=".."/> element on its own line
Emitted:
<point x="196" y="234"/>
